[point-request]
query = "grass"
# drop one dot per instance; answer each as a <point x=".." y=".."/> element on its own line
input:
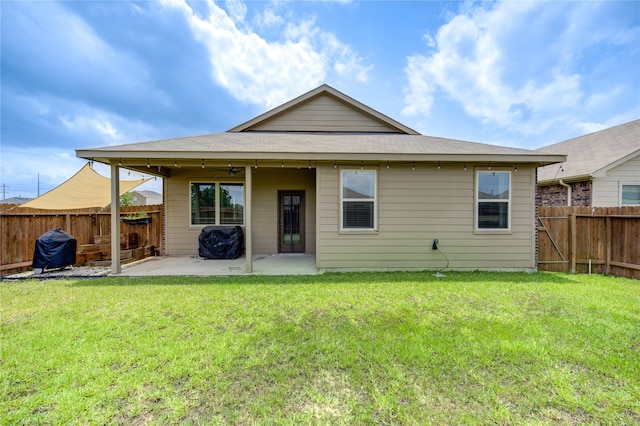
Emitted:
<point x="369" y="348"/>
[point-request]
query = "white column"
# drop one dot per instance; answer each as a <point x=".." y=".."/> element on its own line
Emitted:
<point x="116" y="268"/>
<point x="247" y="220"/>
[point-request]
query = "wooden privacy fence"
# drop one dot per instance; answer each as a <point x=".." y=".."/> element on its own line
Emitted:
<point x="21" y="227"/>
<point x="602" y="240"/>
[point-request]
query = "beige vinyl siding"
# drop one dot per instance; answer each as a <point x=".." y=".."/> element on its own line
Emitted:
<point x="606" y="190"/>
<point x="323" y="113"/>
<point x="416" y="207"/>
<point x="182" y="239"/>
<point x="266" y="184"/>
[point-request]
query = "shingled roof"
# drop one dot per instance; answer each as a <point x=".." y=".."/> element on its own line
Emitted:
<point x="321" y="125"/>
<point x="592" y="155"/>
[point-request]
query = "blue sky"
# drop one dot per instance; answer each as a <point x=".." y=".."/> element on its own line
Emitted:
<point x="523" y="74"/>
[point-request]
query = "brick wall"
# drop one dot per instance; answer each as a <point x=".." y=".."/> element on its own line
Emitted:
<point x="556" y="195"/>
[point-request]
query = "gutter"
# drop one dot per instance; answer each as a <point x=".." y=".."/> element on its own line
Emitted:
<point x="568" y="192"/>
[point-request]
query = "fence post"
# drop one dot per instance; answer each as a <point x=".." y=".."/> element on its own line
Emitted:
<point x="573" y="242"/>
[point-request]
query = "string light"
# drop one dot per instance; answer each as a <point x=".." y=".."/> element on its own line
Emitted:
<point x="148" y="164"/>
<point x="465" y="167"/>
<point x="489" y="166"/>
<point x="387" y="164"/>
<point x="175" y="163"/>
<point x="516" y="169"/>
<point x="256" y="166"/>
<point x="335" y="165"/>
<point x="309" y="164"/>
<point x="120" y="162"/>
<point x="362" y="165"/>
<point x="282" y="165"/>
<point x="203" y="163"/>
<point x="413" y="166"/>
<point x="438" y="165"/>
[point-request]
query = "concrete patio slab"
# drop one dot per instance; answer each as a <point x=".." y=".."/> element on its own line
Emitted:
<point x="282" y="264"/>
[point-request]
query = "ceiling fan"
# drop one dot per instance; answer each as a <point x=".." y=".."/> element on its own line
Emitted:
<point x="231" y="170"/>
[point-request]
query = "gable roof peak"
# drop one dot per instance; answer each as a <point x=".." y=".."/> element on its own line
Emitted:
<point x="346" y="102"/>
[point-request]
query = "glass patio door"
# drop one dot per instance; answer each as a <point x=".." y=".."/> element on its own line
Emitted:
<point x="291" y="222"/>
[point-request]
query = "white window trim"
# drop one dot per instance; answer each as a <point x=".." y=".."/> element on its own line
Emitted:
<point x="218" y="184"/>
<point x="375" y="203"/>
<point x="477" y="202"/>
<point x="620" y="194"/>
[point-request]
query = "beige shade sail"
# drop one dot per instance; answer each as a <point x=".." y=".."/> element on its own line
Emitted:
<point x="85" y="189"/>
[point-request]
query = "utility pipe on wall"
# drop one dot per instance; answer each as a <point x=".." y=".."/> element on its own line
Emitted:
<point x="568" y="192"/>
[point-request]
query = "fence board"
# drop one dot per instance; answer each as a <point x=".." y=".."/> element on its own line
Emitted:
<point x="587" y="239"/>
<point x="21" y="227"/>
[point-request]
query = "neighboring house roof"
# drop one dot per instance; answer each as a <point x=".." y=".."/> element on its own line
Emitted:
<point x="592" y="155"/>
<point x="148" y="194"/>
<point x="304" y="129"/>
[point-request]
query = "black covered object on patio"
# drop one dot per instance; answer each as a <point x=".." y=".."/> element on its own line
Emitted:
<point x="54" y="249"/>
<point x="221" y="243"/>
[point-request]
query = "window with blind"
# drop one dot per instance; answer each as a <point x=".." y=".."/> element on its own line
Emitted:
<point x="358" y="199"/>
<point x="493" y="200"/>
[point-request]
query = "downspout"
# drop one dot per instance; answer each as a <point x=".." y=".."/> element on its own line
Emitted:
<point x="568" y="192"/>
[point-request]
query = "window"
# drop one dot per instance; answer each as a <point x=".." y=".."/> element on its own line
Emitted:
<point x="231" y="204"/>
<point x="493" y="195"/>
<point x="358" y="199"/>
<point x="217" y="203"/>
<point x="203" y="203"/>
<point x="630" y="195"/>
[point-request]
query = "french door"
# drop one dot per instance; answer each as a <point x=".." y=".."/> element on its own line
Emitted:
<point x="291" y="222"/>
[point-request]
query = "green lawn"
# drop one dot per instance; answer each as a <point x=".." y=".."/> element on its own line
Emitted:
<point x="370" y="348"/>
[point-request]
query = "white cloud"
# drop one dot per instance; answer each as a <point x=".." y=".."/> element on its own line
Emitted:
<point x="98" y="124"/>
<point x="268" y="19"/>
<point x="237" y="9"/>
<point x="268" y="73"/>
<point x="511" y="64"/>
<point x="428" y="38"/>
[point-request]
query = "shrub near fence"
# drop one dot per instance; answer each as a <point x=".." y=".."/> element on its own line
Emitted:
<point x="21" y="227"/>
<point x="602" y="240"/>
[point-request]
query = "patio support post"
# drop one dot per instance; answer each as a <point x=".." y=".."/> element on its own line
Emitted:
<point x="248" y="221"/>
<point x="116" y="268"/>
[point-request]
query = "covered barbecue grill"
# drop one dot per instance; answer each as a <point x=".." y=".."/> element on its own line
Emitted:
<point x="54" y="249"/>
<point x="221" y="243"/>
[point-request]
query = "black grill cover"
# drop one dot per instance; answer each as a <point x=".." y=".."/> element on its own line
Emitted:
<point x="221" y="243"/>
<point x="54" y="249"/>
